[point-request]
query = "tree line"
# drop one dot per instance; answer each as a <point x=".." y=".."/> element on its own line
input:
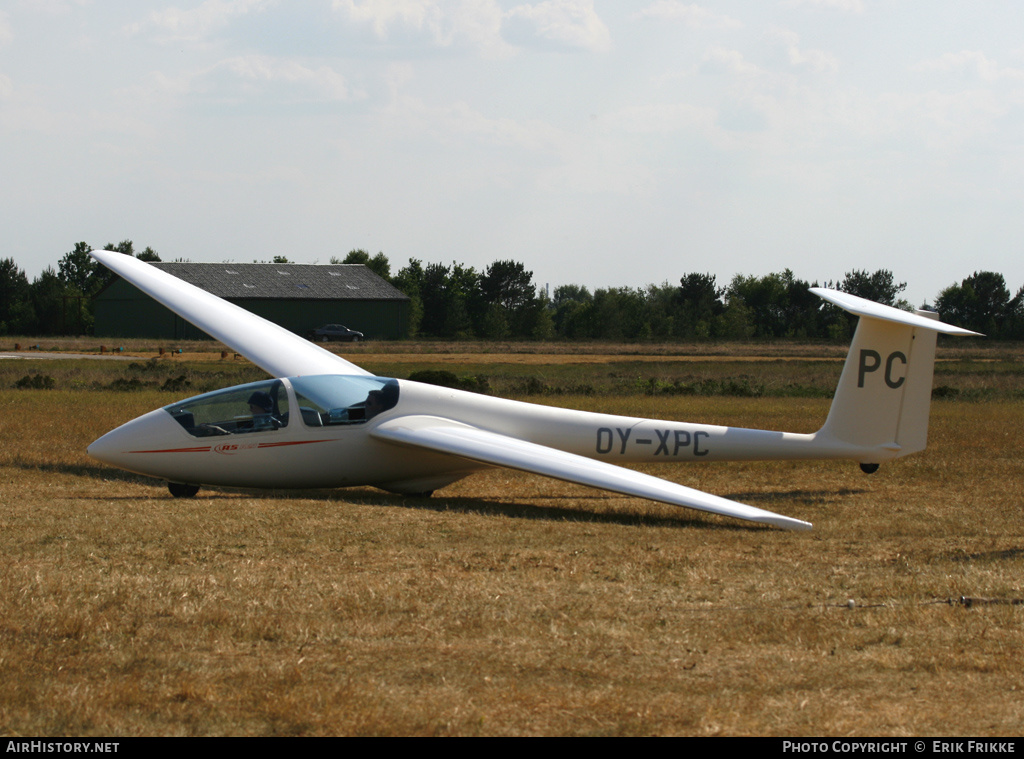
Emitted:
<point x="455" y="302"/>
<point x="502" y="302"/>
<point x="57" y="302"/>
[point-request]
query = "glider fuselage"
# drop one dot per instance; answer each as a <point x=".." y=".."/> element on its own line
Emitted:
<point x="307" y="451"/>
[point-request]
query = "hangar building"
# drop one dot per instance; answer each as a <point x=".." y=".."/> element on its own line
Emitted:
<point x="299" y="297"/>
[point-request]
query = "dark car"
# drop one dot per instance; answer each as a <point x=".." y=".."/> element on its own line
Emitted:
<point x="340" y="332"/>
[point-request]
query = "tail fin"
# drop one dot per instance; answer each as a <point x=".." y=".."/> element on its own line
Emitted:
<point x="884" y="395"/>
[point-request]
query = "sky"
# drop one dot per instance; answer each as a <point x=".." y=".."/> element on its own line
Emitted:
<point x="605" y="144"/>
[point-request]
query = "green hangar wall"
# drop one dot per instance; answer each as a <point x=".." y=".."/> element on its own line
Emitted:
<point x="299" y="297"/>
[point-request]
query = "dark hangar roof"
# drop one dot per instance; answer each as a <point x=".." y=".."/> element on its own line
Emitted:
<point x="286" y="281"/>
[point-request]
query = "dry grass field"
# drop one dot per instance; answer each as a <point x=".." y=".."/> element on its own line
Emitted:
<point x="513" y="605"/>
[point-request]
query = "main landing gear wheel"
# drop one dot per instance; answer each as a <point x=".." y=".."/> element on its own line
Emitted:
<point x="869" y="468"/>
<point x="179" y="490"/>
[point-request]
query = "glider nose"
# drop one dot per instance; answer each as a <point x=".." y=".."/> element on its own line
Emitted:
<point x="107" y="448"/>
<point x="120" y="446"/>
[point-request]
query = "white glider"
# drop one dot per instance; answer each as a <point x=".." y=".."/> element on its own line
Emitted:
<point x="324" y="422"/>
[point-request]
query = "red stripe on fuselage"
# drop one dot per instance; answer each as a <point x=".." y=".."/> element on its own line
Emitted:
<point x="204" y="448"/>
<point x="198" y="449"/>
<point x="295" y="442"/>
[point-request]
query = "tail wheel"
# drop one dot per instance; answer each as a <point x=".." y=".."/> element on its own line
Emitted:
<point x="869" y="468"/>
<point x="180" y="490"/>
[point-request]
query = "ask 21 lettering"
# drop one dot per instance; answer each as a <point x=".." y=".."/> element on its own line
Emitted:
<point x="664" y="442"/>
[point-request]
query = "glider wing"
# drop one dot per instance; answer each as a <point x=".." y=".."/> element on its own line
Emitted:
<point x="457" y="439"/>
<point x="271" y="347"/>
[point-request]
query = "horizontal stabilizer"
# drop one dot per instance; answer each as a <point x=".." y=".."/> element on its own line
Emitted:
<point x="447" y="436"/>
<point x="864" y="307"/>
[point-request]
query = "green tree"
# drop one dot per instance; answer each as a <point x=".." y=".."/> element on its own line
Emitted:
<point x="736" y="321"/>
<point x="465" y="308"/>
<point x="358" y="256"/>
<point x="449" y="293"/>
<point x="127" y="247"/>
<point x="509" y="286"/>
<point x="880" y="286"/>
<point x="149" y="255"/>
<point x="495" y="326"/>
<point x="700" y="304"/>
<point x="48" y="294"/>
<point x="378" y="264"/>
<point x="78" y="269"/>
<point x="779" y="305"/>
<point x="81" y="278"/>
<point x="410" y="281"/>
<point x="434" y="293"/>
<point x="573" y="306"/>
<point x="540" y="321"/>
<point x="102" y="275"/>
<point x="618" y="314"/>
<point x="662" y="311"/>
<point x="1013" y="325"/>
<point x="16" y="311"/>
<point x="981" y="302"/>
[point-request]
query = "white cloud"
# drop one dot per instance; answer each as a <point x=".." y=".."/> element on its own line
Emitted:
<point x="444" y="23"/>
<point x="543" y="156"/>
<point x="721" y="61"/>
<point x="6" y="35"/>
<point x="815" y="60"/>
<point x="461" y="121"/>
<point x="850" y="6"/>
<point x="382" y="14"/>
<point x="197" y="23"/>
<point x="564" y="23"/>
<point x="274" y="80"/>
<point x="691" y="14"/>
<point x="660" y="118"/>
<point x="303" y="82"/>
<point x="970" y="62"/>
<point x="598" y="168"/>
<point x="54" y="7"/>
<point x="945" y="121"/>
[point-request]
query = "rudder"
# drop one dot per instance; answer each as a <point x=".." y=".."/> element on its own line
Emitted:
<point x="883" y="399"/>
<point x="884" y="393"/>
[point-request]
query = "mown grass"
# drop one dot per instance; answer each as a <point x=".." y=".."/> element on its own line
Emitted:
<point x="510" y="604"/>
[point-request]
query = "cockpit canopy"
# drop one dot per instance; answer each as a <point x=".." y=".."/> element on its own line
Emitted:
<point x="320" y="401"/>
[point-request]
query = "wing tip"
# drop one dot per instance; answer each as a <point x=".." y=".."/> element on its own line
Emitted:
<point x="793" y="525"/>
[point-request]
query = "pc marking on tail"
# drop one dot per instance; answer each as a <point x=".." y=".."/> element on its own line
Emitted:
<point x="871" y="360"/>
